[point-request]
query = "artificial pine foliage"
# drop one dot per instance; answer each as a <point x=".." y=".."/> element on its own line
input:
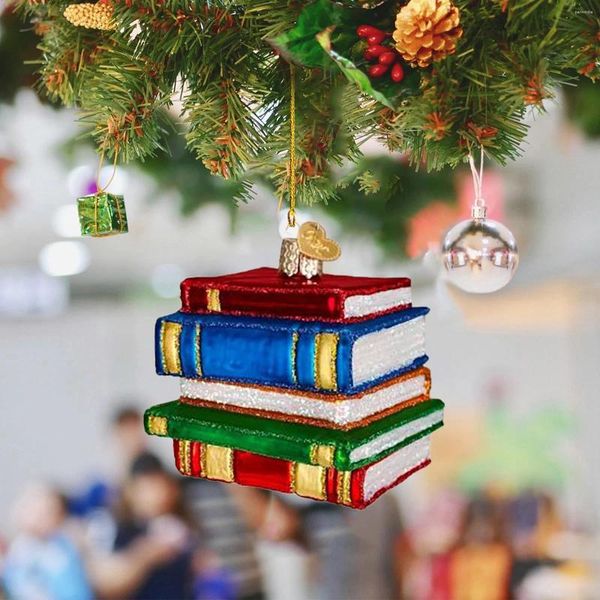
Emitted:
<point x="583" y="107"/>
<point x="224" y="65"/>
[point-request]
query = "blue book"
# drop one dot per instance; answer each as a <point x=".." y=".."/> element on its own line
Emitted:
<point x="342" y="358"/>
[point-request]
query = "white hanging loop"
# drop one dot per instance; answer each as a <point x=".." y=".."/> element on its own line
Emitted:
<point x="478" y="209"/>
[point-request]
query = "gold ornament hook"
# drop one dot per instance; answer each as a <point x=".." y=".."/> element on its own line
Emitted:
<point x="478" y="209"/>
<point x="292" y="158"/>
<point x="304" y="255"/>
<point x="102" y="188"/>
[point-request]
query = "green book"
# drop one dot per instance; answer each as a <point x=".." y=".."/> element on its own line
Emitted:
<point x="309" y="444"/>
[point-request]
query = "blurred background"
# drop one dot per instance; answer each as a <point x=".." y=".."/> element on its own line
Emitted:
<point x="510" y="506"/>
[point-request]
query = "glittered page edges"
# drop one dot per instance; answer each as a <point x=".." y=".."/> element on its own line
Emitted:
<point x="378" y="353"/>
<point x="340" y="411"/>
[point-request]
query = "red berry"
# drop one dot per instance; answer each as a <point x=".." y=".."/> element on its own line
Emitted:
<point x="367" y="30"/>
<point x="373" y="52"/>
<point x="376" y="38"/>
<point x="378" y="70"/>
<point x="397" y="73"/>
<point x="387" y="58"/>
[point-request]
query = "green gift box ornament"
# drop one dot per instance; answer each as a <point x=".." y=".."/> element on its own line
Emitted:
<point x="102" y="214"/>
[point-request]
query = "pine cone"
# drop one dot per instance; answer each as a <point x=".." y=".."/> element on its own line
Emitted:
<point x="90" y="16"/>
<point x="427" y="30"/>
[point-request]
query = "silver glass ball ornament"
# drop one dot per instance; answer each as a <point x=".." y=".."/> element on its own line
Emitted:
<point x="480" y="255"/>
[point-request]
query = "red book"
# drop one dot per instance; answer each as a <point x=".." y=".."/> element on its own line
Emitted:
<point x="265" y="292"/>
<point x="356" y="488"/>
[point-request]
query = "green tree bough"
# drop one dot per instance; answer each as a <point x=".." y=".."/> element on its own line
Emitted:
<point x="226" y="63"/>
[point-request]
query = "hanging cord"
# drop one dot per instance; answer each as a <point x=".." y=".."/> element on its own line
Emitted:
<point x="99" y="188"/>
<point x="478" y="210"/>
<point x="291" y="216"/>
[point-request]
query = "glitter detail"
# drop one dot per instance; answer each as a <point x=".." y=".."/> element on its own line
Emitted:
<point x="322" y="455"/>
<point x="293" y="418"/>
<point x="230" y="457"/>
<point x="181" y="444"/>
<point x="188" y="458"/>
<point x="163" y="360"/>
<point x="380" y="352"/>
<point x="213" y="300"/>
<point x="202" y="460"/>
<point x="343" y="487"/>
<point x="157" y="425"/>
<point x="169" y="338"/>
<point x="293" y="357"/>
<point x="316" y="353"/>
<point x="184" y="457"/>
<point x="339" y="410"/>
<point x="292" y="476"/>
<point x="394" y="437"/>
<point x="218" y="463"/>
<point x="383" y="473"/>
<point x="339" y="486"/>
<point x="309" y="481"/>
<point x="325" y="357"/>
<point x="197" y="341"/>
<point x="362" y="305"/>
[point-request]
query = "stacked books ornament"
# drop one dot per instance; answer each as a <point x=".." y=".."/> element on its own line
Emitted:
<point x="314" y="387"/>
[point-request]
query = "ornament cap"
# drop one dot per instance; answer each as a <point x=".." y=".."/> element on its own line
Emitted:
<point x="478" y="212"/>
